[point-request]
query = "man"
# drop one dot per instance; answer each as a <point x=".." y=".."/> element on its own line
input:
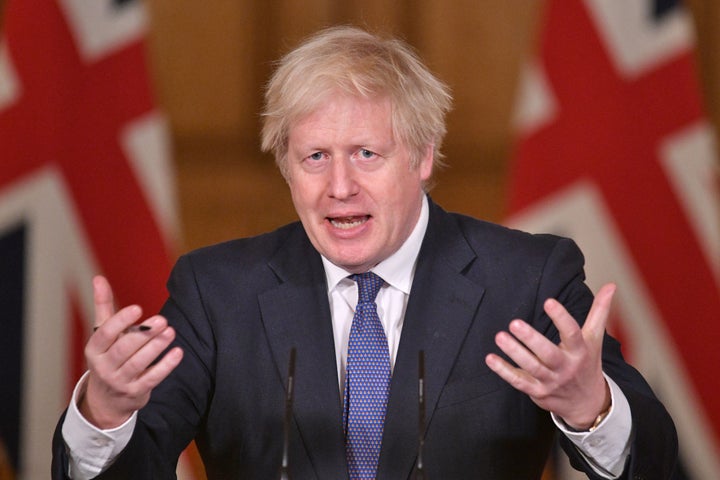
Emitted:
<point x="356" y="123"/>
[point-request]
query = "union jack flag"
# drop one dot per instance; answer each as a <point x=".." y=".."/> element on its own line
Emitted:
<point x="615" y="151"/>
<point x="86" y="186"/>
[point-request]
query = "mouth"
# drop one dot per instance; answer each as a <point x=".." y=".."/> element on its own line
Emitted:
<point x="346" y="223"/>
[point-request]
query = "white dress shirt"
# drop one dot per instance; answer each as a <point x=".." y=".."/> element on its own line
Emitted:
<point x="606" y="448"/>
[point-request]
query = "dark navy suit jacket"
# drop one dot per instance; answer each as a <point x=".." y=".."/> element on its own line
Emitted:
<point x="240" y="307"/>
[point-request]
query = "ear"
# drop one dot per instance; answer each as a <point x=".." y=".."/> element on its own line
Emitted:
<point x="425" y="166"/>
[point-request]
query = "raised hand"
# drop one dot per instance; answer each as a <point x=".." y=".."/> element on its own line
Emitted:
<point x="567" y="378"/>
<point x="120" y="377"/>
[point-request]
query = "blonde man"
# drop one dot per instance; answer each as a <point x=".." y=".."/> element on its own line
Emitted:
<point x="514" y="342"/>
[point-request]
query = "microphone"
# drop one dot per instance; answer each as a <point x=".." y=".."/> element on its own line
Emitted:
<point x="284" y="474"/>
<point x="419" y="465"/>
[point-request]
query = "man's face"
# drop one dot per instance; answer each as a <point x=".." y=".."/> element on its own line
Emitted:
<point x="351" y="182"/>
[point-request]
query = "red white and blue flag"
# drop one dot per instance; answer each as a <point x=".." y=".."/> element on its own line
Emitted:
<point x="615" y="150"/>
<point x="86" y="187"/>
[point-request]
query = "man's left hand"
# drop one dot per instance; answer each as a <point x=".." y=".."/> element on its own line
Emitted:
<point x="567" y="378"/>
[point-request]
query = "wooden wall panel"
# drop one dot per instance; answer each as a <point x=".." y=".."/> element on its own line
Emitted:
<point x="205" y="62"/>
<point x="212" y="59"/>
<point x="706" y="14"/>
<point x="211" y="81"/>
<point x="476" y="47"/>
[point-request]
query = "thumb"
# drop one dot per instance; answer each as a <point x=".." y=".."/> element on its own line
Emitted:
<point x="103" y="300"/>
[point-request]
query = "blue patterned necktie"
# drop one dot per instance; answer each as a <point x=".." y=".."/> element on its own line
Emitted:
<point x="367" y="382"/>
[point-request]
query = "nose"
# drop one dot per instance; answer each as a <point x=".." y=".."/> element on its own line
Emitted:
<point x="342" y="183"/>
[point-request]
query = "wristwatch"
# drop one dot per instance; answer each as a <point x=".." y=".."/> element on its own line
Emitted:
<point x="600" y="418"/>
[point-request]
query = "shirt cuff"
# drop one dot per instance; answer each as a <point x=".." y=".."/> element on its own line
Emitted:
<point x="90" y="449"/>
<point x="607" y="447"/>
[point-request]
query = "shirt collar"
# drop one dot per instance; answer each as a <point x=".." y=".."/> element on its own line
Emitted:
<point x="398" y="269"/>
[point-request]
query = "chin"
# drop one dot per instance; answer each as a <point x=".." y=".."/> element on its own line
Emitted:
<point x="352" y="265"/>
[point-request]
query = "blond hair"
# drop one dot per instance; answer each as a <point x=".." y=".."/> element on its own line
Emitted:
<point x="352" y="61"/>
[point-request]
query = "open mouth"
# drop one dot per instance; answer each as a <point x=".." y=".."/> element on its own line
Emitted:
<point x="346" y="223"/>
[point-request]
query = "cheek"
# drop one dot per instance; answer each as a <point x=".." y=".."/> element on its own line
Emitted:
<point x="299" y="201"/>
<point x="305" y="199"/>
<point x="298" y="187"/>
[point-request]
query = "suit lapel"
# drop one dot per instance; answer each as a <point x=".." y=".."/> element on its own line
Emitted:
<point x="296" y="314"/>
<point x="441" y="308"/>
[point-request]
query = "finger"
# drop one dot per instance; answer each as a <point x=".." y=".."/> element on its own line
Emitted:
<point x="113" y="327"/>
<point x="516" y="377"/>
<point x="542" y="349"/>
<point x="597" y="319"/>
<point x="103" y="299"/>
<point x="137" y="365"/>
<point x="523" y="358"/>
<point x="128" y="343"/>
<point x="134" y="352"/>
<point x="152" y="376"/>
<point x="570" y="333"/>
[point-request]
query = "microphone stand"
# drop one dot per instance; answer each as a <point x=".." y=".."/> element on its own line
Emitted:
<point x="284" y="473"/>
<point x="419" y="465"/>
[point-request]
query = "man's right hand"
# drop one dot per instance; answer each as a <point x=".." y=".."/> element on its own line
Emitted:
<point x="120" y="377"/>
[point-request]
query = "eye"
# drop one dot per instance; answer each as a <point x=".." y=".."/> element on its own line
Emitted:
<point x="367" y="154"/>
<point x="315" y="162"/>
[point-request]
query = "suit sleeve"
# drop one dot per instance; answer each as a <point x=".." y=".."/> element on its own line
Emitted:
<point x="171" y="419"/>
<point x="654" y="445"/>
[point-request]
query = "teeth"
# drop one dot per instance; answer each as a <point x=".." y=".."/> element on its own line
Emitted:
<point x="346" y="223"/>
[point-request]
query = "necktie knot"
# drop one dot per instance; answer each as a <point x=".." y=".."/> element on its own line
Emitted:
<point x="368" y="286"/>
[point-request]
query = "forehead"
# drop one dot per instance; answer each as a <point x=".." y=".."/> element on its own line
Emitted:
<point x="346" y="116"/>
